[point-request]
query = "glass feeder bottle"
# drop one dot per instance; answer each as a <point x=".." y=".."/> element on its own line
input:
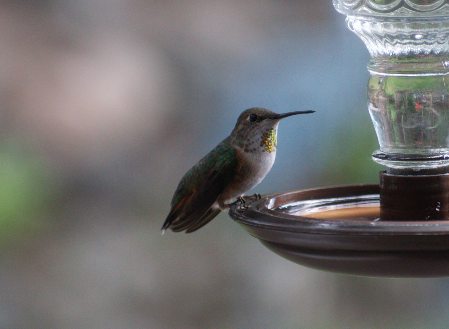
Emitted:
<point x="408" y="95"/>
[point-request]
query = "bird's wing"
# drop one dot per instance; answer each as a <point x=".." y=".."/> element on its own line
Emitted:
<point x="200" y="188"/>
<point x="206" y="218"/>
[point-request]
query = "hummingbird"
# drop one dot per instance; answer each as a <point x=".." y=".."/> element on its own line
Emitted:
<point x="233" y="167"/>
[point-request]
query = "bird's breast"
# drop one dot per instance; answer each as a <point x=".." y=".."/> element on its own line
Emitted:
<point x="253" y="167"/>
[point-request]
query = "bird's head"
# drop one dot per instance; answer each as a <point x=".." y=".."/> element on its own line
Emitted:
<point x="256" y="129"/>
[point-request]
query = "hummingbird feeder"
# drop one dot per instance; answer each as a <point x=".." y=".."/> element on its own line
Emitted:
<point x="399" y="228"/>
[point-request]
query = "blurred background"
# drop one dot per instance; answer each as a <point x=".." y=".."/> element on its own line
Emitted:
<point x="104" y="105"/>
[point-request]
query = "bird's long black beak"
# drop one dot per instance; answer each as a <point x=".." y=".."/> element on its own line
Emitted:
<point x="284" y="115"/>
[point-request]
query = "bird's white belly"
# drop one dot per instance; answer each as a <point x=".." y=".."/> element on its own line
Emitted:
<point x="260" y="166"/>
<point x="253" y="171"/>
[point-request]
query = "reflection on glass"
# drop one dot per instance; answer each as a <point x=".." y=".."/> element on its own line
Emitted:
<point x="408" y="95"/>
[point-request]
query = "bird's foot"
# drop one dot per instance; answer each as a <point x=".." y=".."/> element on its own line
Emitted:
<point x="239" y="203"/>
<point x="252" y="198"/>
<point x="242" y="202"/>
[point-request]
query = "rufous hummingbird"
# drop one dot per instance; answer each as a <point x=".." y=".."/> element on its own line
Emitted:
<point x="233" y="167"/>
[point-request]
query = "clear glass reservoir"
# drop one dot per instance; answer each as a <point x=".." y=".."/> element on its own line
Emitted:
<point x="408" y="91"/>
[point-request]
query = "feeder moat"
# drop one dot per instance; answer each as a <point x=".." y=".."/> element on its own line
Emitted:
<point x="340" y="229"/>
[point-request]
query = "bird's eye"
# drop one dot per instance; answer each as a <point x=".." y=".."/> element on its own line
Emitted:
<point x="252" y="117"/>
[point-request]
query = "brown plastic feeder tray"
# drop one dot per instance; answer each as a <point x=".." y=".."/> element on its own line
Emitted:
<point x="339" y="229"/>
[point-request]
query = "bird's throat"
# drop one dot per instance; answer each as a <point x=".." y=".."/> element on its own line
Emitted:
<point x="269" y="140"/>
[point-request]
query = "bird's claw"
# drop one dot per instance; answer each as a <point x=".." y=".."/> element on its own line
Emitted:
<point x="239" y="204"/>
<point x="252" y="198"/>
<point x="242" y="201"/>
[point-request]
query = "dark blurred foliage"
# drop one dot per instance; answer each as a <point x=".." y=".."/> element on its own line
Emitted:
<point x="103" y="107"/>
